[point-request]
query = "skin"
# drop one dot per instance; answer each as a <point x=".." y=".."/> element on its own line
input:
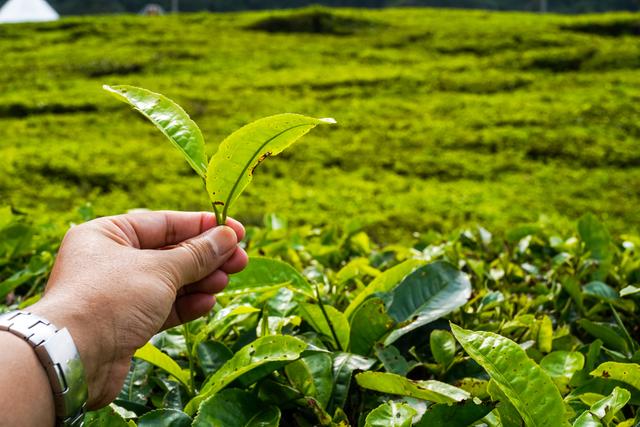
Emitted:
<point x="116" y="282"/>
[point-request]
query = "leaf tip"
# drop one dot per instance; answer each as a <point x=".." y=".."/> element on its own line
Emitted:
<point x="329" y="120"/>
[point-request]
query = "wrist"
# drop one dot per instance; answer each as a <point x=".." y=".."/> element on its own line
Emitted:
<point x="89" y="345"/>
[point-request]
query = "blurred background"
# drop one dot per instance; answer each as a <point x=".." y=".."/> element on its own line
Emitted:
<point x="447" y="117"/>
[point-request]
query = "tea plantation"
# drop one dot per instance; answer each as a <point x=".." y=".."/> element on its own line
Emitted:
<point x="373" y="297"/>
<point x="445" y="118"/>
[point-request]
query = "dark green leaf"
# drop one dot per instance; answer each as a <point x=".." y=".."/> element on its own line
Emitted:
<point x="212" y="355"/>
<point x="313" y="376"/>
<point x="165" y="418"/>
<point x="344" y="364"/>
<point x="427" y="294"/>
<point x="369" y="324"/>
<point x="443" y="346"/>
<point x="462" y="414"/>
<point x="236" y="408"/>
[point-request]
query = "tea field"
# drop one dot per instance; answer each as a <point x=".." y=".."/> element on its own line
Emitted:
<point x="446" y="118"/>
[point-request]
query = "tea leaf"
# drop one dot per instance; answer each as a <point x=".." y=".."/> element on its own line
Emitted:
<point x="171" y="119"/>
<point x="236" y="408"/>
<point x="391" y="414"/>
<point x="524" y="383"/>
<point x="270" y="352"/>
<point x="312" y="314"/>
<point x="165" y="418"/>
<point x="432" y="390"/>
<point x="231" y="168"/>
<point x="427" y="294"/>
<point x="459" y="415"/>
<point x="369" y="324"/>
<point x="150" y="353"/>
<point x="383" y="283"/>
<point x="312" y="375"/>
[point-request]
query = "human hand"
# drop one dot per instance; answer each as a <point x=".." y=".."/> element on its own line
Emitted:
<point x="119" y="280"/>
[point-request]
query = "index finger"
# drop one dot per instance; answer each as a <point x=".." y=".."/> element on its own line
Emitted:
<point x="158" y="229"/>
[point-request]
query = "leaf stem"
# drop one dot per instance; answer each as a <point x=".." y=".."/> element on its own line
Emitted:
<point x="187" y="338"/>
<point x="326" y="317"/>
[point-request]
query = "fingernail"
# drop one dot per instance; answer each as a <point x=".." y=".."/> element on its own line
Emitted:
<point x="223" y="239"/>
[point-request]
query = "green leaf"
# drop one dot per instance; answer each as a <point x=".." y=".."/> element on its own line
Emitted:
<point x="272" y="351"/>
<point x="212" y="355"/>
<point x="105" y="417"/>
<point x="313" y="376"/>
<point x="231" y="168"/>
<point x="369" y="324"/>
<point x="601" y="291"/>
<point x="607" y="408"/>
<point x="383" y="283"/>
<point x="587" y="419"/>
<point x="165" y="418"/>
<point x="312" y="314"/>
<point x="391" y="414"/>
<point x="434" y="391"/>
<point x="509" y="415"/>
<point x="443" y="347"/>
<point x="561" y="366"/>
<point x="461" y="414"/>
<point x="545" y="334"/>
<point x="149" y="353"/>
<point x="263" y="274"/>
<point x="523" y="382"/>
<point x="427" y="294"/>
<point x="608" y="333"/>
<point x="171" y="119"/>
<point x="236" y="408"/>
<point x="628" y="373"/>
<point x="392" y="360"/>
<point x="343" y="366"/>
<point x="597" y="242"/>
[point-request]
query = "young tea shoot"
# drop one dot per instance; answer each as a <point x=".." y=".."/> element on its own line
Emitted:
<point x="231" y="168"/>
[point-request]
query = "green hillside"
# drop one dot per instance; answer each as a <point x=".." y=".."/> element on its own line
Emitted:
<point x="446" y="118"/>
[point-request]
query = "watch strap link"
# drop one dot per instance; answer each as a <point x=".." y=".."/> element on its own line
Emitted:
<point x="59" y="356"/>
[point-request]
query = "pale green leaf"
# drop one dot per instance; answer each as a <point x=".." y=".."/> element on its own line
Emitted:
<point x="272" y="352"/>
<point x="231" y="168"/>
<point x="523" y="382"/>
<point x="265" y="273"/>
<point x="171" y="119"/>
<point x="312" y="314"/>
<point x="628" y="373"/>
<point x="391" y="414"/>
<point x="150" y="353"/>
<point x="434" y="391"/>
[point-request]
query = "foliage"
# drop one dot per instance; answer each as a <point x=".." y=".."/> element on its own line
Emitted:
<point x="231" y="167"/>
<point x="281" y="350"/>
<point x="445" y="116"/>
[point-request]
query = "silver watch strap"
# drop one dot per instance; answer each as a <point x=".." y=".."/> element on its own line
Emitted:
<point x="59" y="356"/>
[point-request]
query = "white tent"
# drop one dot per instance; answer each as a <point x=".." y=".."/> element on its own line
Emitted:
<point x="27" y="11"/>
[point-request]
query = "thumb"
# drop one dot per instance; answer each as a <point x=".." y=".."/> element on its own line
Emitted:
<point x="199" y="256"/>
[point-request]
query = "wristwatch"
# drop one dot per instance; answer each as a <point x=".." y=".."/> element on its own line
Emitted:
<point x="59" y="357"/>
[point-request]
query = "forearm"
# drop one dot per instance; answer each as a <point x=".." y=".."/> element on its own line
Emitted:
<point x="26" y="398"/>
